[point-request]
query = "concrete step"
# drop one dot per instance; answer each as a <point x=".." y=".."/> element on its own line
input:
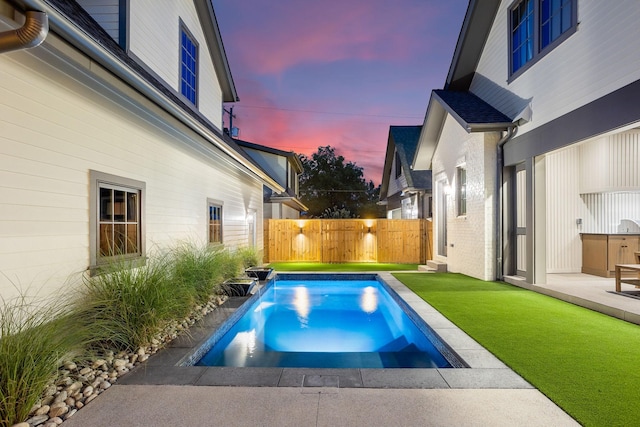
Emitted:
<point x="438" y="266"/>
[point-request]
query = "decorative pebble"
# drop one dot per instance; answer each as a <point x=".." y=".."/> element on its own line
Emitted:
<point x="74" y="387"/>
<point x="57" y="420"/>
<point x="43" y="410"/>
<point x="119" y="362"/>
<point x="21" y="425"/>
<point x="143" y="358"/>
<point x="85" y="371"/>
<point x="70" y="366"/>
<point x="88" y="391"/>
<point x="90" y="398"/>
<point x="79" y="404"/>
<point x="58" y="409"/>
<point x="70" y="414"/>
<point x="98" y="363"/>
<point x="34" y="421"/>
<point x="105" y="385"/>
<point x="60" y="397"/>
<point x="70" y="401"/>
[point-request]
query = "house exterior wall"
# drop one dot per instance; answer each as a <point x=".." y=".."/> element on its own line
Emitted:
<point x="396" y="185"/>
<point x="598" y="59"/>
<point x="154" y="39"/>
<point x="470" y="237"/>
<point x="106" y="13"/>
<point x="54" y="130"/>
<point x="276" y="166"/>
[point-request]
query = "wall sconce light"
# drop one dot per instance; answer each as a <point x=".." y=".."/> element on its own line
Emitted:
<point x="369" y="230"/>
<point x="300" y="230"/>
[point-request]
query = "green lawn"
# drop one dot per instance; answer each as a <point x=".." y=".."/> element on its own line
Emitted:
<point x="586" y="362"/>
<point x="350" y="266"/>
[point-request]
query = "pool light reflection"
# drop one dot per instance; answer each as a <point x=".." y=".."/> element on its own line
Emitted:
<point x="369" y="300"/>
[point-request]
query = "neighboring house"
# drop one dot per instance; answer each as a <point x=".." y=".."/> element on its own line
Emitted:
<point x="534" y="139"/>
<point x="285" y="168"/>
<point x="110" y="139"/>
<point x="405" y="193"/>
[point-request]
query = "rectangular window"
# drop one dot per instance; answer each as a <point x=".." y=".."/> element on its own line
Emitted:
<point x="188" y="66"/>
<point x="536" y="27"/>
<point x="556" y="17"/>
<point x="522" y="38"/>
<point x="116" y="218"/>
<point x="461" y="190"/>
<point x="398" y="165"/>
<point x="215" y="222"/>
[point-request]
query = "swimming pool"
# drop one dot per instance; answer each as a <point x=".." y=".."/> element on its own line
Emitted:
<point x="326" y="321"/>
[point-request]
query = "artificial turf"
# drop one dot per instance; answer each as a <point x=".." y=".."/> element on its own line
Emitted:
<point x="350" y="266"/>
<point x="586" y="362"/>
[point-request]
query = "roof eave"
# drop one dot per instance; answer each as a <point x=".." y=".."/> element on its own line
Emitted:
<point x="471" y="40"/>
<point x="216" y="49"/>
<point x="293" y="202"/>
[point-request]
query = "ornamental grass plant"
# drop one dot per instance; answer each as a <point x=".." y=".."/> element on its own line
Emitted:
<point x="124" y="308"/>
<point x="34" y="339"/>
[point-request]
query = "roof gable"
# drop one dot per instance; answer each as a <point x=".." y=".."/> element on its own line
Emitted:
<point x="404" y="141"/>
<point x="471" y="40"/>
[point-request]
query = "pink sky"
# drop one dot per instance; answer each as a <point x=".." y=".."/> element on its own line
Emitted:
<point x="336" y="72"/>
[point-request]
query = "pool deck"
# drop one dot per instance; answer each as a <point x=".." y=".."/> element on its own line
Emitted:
<point x="486" y="393"/>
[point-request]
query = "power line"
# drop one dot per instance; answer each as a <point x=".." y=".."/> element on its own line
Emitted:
<point x="329" y="112"/>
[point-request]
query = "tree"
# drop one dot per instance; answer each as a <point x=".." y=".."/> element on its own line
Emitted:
<point x="331" y="187"/>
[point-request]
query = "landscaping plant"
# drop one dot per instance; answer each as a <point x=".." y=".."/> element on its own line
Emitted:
<point x="34" y="339"/>
<point x="123" y="308"/>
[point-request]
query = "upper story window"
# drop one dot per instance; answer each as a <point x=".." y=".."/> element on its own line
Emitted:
<point x="188" y="66"/>
<point x="398" y="165"/>
<point x="536" y="27"/>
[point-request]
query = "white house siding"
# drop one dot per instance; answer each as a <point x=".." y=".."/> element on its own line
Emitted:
<point x="154" y="39"/>
<point x="106" y="13"/>
<point x="273" y="164"/>
<point x="598" y="59"/>
<point x="53" y="131"/>
<point x="396" y="184"/>
<point x="470" y="237"/>
<point x="597" y="182"/>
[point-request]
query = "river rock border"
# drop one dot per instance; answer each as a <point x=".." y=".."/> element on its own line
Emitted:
<point x="79" y="383"/>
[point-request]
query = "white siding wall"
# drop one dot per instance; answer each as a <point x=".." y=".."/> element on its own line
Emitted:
<point x="106" y="13"/>
<point x="598" y="59"/>
<point x="53" y="131"/>
<point x="581" y="184"/>
<point x="611" y="163"/>
<point x="470" y="237"/>
<point x="564" y="206"/>
<point x="395" y="184"/>
<point x="154" y="38"/>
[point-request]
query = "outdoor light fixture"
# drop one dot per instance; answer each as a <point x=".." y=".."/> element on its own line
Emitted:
<point x="369" y="230"/>
<point x="300" y="230"/>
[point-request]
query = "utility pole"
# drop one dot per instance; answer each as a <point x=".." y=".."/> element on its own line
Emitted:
<point x="231" y="117"/>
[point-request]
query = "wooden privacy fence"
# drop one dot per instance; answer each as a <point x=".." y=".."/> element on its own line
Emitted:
<point x="348" y="240"/>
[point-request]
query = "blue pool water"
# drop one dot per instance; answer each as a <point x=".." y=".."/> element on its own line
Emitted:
<point x="326" y="324"/>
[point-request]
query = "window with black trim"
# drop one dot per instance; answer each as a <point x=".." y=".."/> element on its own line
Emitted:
<point x="215" y="222"/>
<point x="188" y="65"/>
<point x="116" y="218"/>
<point x="536" y="27"/>
<point x="398" y="165"/>
<point x="461" y="190"/>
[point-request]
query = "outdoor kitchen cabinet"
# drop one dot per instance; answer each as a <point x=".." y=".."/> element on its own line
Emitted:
<point x="601" y="252"/>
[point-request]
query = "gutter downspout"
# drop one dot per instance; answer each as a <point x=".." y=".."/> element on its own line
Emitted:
<point x="511" y="131"/>
<point x="31" y="34"/>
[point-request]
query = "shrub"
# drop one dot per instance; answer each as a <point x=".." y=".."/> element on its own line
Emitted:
<point x="34" y="339"/>
<point x="197" y="270"/>
<point x="249" y="256"/>
<point x="125" y="308"/>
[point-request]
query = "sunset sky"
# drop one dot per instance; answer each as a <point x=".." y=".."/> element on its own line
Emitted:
<point x="336" y="72"/>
